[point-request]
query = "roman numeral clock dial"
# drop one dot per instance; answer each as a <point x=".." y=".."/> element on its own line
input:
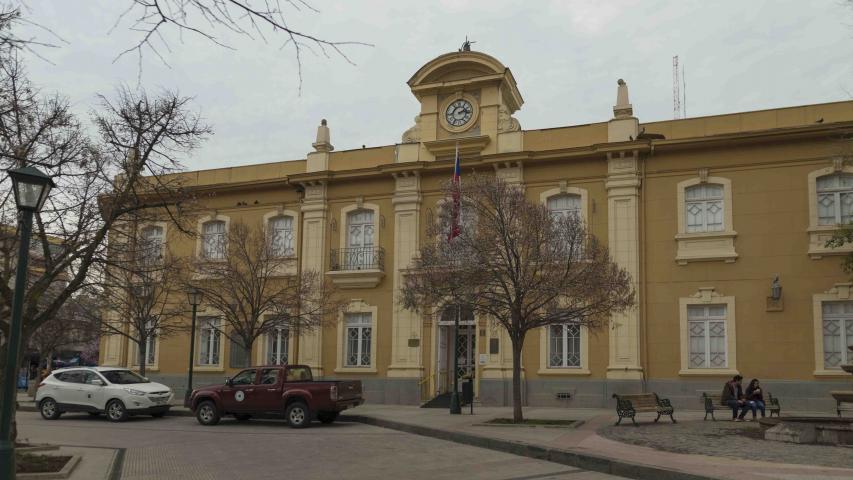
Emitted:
<point x="459" y="113"/>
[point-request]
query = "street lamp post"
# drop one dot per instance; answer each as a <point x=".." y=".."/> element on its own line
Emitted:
<point x="31" y="188"/>
<point x="455" y="404"/>
<point x="194" y="299"/>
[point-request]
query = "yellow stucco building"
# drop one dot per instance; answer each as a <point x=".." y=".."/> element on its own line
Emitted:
<point x="703" y="212"/>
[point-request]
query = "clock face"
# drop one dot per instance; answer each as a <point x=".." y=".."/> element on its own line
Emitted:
<point x="459" y="112"/>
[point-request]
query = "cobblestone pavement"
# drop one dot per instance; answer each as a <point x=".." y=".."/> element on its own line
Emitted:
<point x="726" y="439"/>
<point x="177" y="447"/>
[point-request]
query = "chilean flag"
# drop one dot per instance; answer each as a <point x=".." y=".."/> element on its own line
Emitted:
<point x="456" y="182"/>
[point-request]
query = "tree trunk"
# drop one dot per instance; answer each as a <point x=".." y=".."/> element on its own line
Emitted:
<point x="143" y="356"/>
<point x="295" y="359"/>
<point x="248" y="349"/>
<point x="517" y="344"/>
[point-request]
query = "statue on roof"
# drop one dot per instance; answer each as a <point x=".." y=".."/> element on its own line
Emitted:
<point x="466" y="45"/>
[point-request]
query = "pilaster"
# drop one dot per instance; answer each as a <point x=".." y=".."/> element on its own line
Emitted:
<point x="312" y="256"/>
<point x="623" y="190"/>
<point x="406" y="341"/>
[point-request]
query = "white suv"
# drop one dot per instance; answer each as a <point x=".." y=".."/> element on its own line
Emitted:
<point x="118" y="392"/>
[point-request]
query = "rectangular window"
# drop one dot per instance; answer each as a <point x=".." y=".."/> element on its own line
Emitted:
<point x="150" y="342"/>
<point x="564" y="346"/>
<point x="704" y="208"/>
<point x="213" y="240"/>
<point x="358" y="334"/>
<point x="277" y="348"/>
<point x="151" y="245"/>
<point x="706" y="327"/>
<point x="281" y="236"/>
<point x="835" y="199"/>
<point x="208" y="339"/>
<point x="238" y="357"/>
<point x="837" y="333"/>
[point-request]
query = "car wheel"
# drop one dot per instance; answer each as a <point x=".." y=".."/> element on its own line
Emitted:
<point x="242" y="417"/>
<point x="116" y="411"/>
<point x="327" y="417"/>
<point x="207" y="414"/>
<point x="49" y="409"/>
<point x="158" y="414"/>
<point x="297" y="415"/>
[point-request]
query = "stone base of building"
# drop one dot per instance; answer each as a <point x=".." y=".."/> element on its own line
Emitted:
<point x="798" y="395"/>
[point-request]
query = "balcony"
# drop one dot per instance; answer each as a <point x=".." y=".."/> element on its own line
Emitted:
<point x="357" y="267"/>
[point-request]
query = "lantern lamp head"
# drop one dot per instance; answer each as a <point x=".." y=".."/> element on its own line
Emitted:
<point x="31" y="188"/>
<point x="194" y="296"/>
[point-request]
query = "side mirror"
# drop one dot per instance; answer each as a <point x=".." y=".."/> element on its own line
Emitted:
<point x="229" y="382"/>
<point x="98" y="382"/>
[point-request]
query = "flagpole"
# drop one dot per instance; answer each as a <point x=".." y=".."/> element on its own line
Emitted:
<point x="455" y="404"/>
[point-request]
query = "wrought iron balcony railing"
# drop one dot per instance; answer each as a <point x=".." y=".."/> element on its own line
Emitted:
<point x="358" y="258"/>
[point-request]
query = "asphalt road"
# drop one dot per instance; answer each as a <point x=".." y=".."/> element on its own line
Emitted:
<point x="180" y="448"/>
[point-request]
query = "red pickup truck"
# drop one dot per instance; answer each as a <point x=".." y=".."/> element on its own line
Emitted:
<point x="288" y="390"/>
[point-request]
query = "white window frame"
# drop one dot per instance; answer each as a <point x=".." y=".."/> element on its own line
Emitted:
<point x="345" y="227"/>
<point x="148" y="246"/>
<point x="153" y="355"/>
<point x="845" y="339"/>
<point x="706" y="319"/>
<point x="704" y="202"/>
<point x="706" y="296"/>
<point x="840" y="292"/>
<point x="705" y="246"/>
<point x="565" y="341"/>
<point x="358" y="322"/>
<point x="286" y="249"/>
<point x="837" y="193"/>
<point x="357" y="306"/>
<point x="280" y="336"/>
<point x="214" y="340"/>
<point x="199" y="251"/>
<point x="819" y="234"/>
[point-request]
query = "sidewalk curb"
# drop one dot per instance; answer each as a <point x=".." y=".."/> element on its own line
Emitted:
<point x="565" y="457"/>
<point x="173" y="412"/>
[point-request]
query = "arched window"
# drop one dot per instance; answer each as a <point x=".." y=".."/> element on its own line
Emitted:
<point x="281" y="236"/>
<point x="703" y="208"/>
<point x="835" y="199"/>
<point x="564" y="205"/>
<point x="151" y="245"/>
<point x="360" y="228"/>
<point x="213" y="240"/>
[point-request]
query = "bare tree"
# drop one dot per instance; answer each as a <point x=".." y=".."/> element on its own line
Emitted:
<point x="518" y="264"/>
<point x="258" y="19"/>
<point x="121" y="172"/>
<point x="68" y="328"/>
<point x="256" y="288"/>
<point x="138" y="296"/>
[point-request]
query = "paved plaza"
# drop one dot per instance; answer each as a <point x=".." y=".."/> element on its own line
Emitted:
<point x="178" y="447"/>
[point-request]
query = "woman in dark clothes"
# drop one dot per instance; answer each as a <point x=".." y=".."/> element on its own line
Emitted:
<point x="755" y="397"/>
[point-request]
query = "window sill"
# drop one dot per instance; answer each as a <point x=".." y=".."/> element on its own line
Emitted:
<point x="564" y="371"/>
<point x="706" y="247"/>
<point x="356" y="278"/>
<point x="831" y="373"/>
<point x="819" y="235"/>
<point x="355" y="370"/>
<point x="709" y="372"/>
<point x="208" y="368"/>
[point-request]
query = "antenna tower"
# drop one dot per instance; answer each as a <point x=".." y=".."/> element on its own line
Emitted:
<point x="676" y="89"/>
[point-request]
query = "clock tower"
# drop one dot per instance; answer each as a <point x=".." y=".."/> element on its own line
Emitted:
<point x="467" y="99"/>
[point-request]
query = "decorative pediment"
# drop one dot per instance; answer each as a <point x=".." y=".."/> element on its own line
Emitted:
<point x="706" y="295"/>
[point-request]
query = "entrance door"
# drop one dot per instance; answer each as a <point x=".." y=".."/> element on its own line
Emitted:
<point x="465" y="351"/>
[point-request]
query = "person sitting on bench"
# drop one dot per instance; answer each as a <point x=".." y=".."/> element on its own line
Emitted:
<point x="755" y="397"/>
<point x="732" y="397"/>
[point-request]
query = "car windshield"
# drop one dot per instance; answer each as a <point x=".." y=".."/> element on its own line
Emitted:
<point x="123" y="377"/>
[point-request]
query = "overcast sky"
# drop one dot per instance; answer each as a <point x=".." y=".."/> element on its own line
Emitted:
<point x="566" y="56"/>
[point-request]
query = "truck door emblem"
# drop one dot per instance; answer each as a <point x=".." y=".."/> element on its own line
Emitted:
<point x="239" y="396"/>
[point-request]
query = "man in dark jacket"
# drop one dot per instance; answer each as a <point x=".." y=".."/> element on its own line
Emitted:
<point x="732" y="397"/>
